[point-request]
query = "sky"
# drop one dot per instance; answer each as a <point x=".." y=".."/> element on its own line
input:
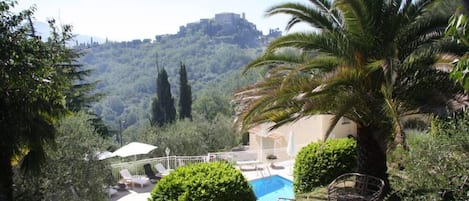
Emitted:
<point x="125" y="20"/>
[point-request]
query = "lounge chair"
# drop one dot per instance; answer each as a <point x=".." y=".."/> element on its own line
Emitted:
<point x="133" y="179"/>
<point x="161" y="169"/>
<point x="150" y="174"/>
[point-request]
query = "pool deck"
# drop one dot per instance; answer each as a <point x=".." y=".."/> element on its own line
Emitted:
<point x="249" y="171"/>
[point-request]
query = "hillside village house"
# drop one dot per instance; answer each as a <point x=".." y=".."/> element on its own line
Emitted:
<point x="306" y="130"/>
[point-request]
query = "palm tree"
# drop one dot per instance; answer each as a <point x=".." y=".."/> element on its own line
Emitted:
<point x="372" y="61"/>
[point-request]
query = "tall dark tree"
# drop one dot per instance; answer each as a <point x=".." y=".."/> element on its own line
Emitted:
<point x="163" y="109"/>
<point x="34" y="80"/>
<point x="80" y="96"/>
<point x="185" y="97"/>
<point x="372" y="61"/>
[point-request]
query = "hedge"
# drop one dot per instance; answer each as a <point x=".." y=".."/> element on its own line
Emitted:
<point x="215" y="181"/>
<point x="317" y="164"/>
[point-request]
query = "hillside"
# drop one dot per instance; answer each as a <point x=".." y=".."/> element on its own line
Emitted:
<point x="43" y="29"/>
<point x="214" y="51"/>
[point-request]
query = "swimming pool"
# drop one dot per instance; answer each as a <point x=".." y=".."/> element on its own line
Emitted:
<point x="271" y="188"/>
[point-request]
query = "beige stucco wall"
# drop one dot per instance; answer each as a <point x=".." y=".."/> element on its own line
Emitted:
<point x="306" y="130"/>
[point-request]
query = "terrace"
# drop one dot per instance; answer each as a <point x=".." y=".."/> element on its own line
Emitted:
<point x="252" y="163"/>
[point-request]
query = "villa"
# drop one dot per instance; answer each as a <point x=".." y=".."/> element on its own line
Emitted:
<point x="252" y="162"/>
<point x="306" y="130"/>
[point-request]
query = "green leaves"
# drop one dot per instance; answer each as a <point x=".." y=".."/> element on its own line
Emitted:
<point x="383" y="49"/>
<point x="458" y="29"/>
<point x="460" y="72"/>
<point x="69" y="166"/>
<point x="32" y="90"/>
<point x="435" y="167"/>
<point x="319" y="163"/>
<point x="316" y="17"/>
<point x="163" y="108"/>
<point x="217" y="181"/>
<point x="35" y="78"/>
<point x="185" y="94"/>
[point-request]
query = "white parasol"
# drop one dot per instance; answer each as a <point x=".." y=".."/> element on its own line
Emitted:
<point x="291" y="144"/>
<point x="134" y="148"/>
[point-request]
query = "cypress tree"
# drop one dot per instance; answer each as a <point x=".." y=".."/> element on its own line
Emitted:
<point x="163" y="109"/>
<point x="185" y="97"/>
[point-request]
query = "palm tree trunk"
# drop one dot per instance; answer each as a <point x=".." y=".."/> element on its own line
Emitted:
<point x="6" y="174"/>
<point x="371" y="158"/>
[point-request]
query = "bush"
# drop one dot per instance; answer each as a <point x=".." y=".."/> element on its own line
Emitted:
<point x="416" y="123"/>
<point x="319" y="163"/>
<point x="216" y="181"/>
<point x="436" y="166"/>
<point x="66" y="174"/>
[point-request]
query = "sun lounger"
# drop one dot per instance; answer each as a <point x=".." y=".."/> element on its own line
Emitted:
<point x="142" y="180"/>
<point x="162" y="170"/>
<point x="252" y="163"/>
<point x="150" y="174"/>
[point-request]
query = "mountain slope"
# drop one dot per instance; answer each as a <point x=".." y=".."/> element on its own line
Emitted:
<point x="127" y="70"/>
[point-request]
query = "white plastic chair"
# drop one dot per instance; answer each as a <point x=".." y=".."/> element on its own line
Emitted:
<point x="161" y="169"/>
<point x="133" y="179"/>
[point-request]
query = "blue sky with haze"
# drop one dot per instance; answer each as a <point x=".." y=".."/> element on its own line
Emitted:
<point x="139" y="19"/>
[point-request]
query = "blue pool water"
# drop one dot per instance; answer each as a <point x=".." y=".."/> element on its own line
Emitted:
<point x="271" y="188"/>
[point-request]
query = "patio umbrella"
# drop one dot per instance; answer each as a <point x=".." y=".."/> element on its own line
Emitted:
<point x="291" y="144"/>
<point x="133" y="149"/>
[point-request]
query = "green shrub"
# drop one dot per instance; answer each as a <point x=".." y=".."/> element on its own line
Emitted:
<point x="216" y="181"/>
<point x="319" y="163"/>
<point x="436" y="166"/>
<point x="416" y="123"/>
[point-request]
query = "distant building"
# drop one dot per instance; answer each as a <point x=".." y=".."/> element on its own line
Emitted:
<point x="274" y="33"/>
<point x="227" y="18"/>
<point x="228" y="24"/>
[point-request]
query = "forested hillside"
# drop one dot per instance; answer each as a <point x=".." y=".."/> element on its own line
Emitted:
<point x="127" y="71"/>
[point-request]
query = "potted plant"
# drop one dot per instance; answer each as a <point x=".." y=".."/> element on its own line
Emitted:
<point x="271" y="158"/>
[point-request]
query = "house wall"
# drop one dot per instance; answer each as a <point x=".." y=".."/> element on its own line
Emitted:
<point x="306" y="130"/>
<point x="344" y="128"/>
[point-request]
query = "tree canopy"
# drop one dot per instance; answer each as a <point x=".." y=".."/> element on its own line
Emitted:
<point x="185" y="94"/>
<point x="163" y="108"/>
<point x="35" y="79"/>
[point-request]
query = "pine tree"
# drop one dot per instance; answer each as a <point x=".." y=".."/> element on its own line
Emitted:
<point x="163" y="109"/>
<point x="185" y="97"/>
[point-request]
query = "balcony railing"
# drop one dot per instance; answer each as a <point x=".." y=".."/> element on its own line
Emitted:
<point x="173" y="162"/>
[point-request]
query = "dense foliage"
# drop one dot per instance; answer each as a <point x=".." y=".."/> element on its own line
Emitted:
<point x="458" y="29"/>
<point x="436" y="165"/>
<point x="163" y="109"/>
<point x="185" y="94"/>
<point x="35" y="79"/>
<point x="319" y="163"/>
<point x="216" y="181"/>
<point x="190" y="138"/>
<point x="71" y="170"/>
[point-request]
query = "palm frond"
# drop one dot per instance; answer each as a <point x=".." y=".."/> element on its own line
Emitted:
<point x="301" y="13"/>
<point x="356" y="17"/>
<point x="329" y="43"/>
<point x="273" y="59"/>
